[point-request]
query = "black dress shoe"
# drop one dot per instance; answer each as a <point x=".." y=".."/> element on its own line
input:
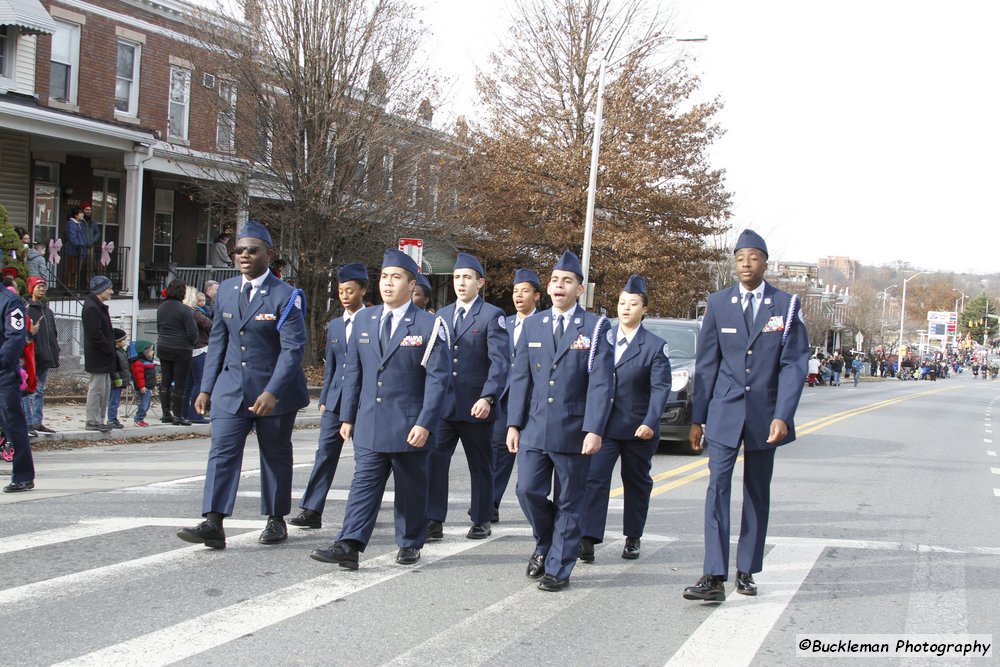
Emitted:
<point x="307" y="519"/>
<point x="17" y="487"/>
<point x="210" y="534"/>
<point x="552" y="584"/>
<point x="536" y="566"/>
<point x="435" y="531"/>
<point x="586" y="551"/>
<point x="341" y="553"/>
<point x="710" y="587"/>
<point x="276" y="531"/>
<point x="479" y="532"/>
<point x="745" y="584"/>
<point x="631" y="550"/>
<point x="496" y="515"/>
<point x="408" y="555"/>
<point x="180" y="421"/>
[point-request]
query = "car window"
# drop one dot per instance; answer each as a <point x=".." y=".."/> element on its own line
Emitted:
<point x="681" y="337"/>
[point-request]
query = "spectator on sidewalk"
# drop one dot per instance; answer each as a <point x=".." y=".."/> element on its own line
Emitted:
<point x="211" y="290"/>
<point x="119" y="377"/>
<point x="37" y="266"/>
<point x="219" y="254"/>
<point x="143" y="378"/>
<point x="836" y="367"/>
<point x="44" y="335"/>
<point x="192" y="297"/>
<point x="177" y="334"/>
<point x="813" y="376"/>
<point x="98" y="352"/>
<point x="857" y="366"/>
<point x="13" y="335"/>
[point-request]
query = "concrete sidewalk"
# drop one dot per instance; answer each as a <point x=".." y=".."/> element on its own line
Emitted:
<point x="67" y="420"/>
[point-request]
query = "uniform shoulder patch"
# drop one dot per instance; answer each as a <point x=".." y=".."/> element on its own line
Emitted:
<point x="298" y="302"/>
<point x="17" y="319"/>
<point x="502" y="321"/>
<point x="802" y="317"/>
<point x="666" y="350"/>
<point x="442" y="335"/>
<point x="611" y="337"/>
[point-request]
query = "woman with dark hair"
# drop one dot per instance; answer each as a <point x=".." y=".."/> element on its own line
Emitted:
<point x="193" y="385"/>
<point x="177" y="334"/>
<point x="218" y="255"/>
<point x="76" y="247"/>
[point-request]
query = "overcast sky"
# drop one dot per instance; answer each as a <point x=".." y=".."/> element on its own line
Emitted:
<point x="861" y="128"/>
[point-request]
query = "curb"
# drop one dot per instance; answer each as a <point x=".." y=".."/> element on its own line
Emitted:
<point x="142" y="434"/>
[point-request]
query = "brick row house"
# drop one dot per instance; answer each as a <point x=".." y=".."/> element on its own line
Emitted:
<point x="101" y="103"/>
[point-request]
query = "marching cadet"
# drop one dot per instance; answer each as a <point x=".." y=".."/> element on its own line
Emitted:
<point x="352" y="282"/>
<point x="397" y="376"/>
<point x="560" y="399"/>
<point x="752" y="357"/>
<point x="13" y="335"/>
<point x="527" y="290"/>
<point x="642" y="387"/>
<point x="422" y="293"/>
<point x="480" y="363"/>
<point x="253" y="380"/>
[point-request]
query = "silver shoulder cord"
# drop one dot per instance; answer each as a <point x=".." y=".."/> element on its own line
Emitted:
<point x="435" y="333"/>
<point x="594" y="342"/>
<point x="790" y="317"/>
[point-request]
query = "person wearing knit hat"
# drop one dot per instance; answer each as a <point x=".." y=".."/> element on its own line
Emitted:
<point x="44" y="335"/>
<point x="119" y="377"/>
<point x="561" y="386"/>
<point x="754" y="326"/>
<point x="98" y="352"/>
<point x="642" y="387"/>
<point x="481" y="363"/>
<point x="398" y="372"/>
<point x="143" y="370"/>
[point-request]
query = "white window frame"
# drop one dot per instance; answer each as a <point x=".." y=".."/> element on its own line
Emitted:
<point x="133" y="97"/>
<point x="163" y="206"/>
<point x="8" y="51"/>
<point x="435" y="182"/>
<point x="74" y="63"/>
<point x="185" y="105"/>
<point x="226" y="119"/>
<point x="388" y="167"/>
<point x="265" y="132"/>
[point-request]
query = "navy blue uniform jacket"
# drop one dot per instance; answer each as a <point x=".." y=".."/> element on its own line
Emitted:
<point x="553" y="399"/>
<point x="642" y="386"/>
<point x="248" y="355"/>
<point x="744" y="382"/>
<point x="480" y="359"/>
<point x="386" y="395"/>
<point x="336" y="362"/>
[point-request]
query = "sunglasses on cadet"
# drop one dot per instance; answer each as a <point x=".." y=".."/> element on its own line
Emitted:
<point x="252" y="249"/>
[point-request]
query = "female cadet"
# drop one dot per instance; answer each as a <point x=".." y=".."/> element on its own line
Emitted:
<point x="642" y="386"/>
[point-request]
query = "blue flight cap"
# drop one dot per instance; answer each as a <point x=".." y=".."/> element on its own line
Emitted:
<point x="423" y="282"/>
<point x="467" y="261"/>
<point x="253" y="229"/>
<point x="635" y="285"/>
<point x="357" y="272"/>
<point x="750" y="239"/>
<point x="569" y="262"/>
<point x="400" y="259"/>
<point x="527" y="276"/>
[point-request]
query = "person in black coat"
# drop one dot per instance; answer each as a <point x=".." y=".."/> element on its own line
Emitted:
<point x="43" y="333"/>
<point x="98" y="352"/>
<point x="177" y="334"/>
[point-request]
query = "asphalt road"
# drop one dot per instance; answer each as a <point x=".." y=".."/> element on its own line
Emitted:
<point x="885" y="518"/>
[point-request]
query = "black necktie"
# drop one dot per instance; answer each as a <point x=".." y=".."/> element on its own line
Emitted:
<point x="560" y="329"/>
<point x="386" y="332"/>
<point x="748" y="313"/>
<point x="459" y="320"/>
<point x="245" y="298"/>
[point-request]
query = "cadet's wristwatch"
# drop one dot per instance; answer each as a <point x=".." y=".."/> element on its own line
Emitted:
<point x="488" y="399"/>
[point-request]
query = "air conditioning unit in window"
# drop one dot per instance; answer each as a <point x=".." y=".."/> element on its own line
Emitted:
<point x="208" y="80"/>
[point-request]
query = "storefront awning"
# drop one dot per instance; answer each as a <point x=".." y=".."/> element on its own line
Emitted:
<point x="28" y="15"/>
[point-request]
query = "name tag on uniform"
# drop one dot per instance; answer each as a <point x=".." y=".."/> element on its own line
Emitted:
<point x="227" y="315"/>
<point x="364" y="341"/>
<point x="530" y="344"/>
<point x="412" y="341"/>
<point x="267" y="317"/>
<point x="728" y="330"/>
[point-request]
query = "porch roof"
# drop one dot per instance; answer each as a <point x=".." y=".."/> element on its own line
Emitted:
<point x="29" y="15"/>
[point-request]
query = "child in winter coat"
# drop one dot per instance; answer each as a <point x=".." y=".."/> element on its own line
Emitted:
<point x="144" y="378"/>
<point x="119" y="376"/>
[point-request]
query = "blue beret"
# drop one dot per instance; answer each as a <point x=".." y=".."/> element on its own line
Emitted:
<point x="750" y="239"/>
<point x="400" y="259"/>
<point x="527" y="276"/>
<point x="467" y="261"/>
<point x="254" y="230"/>
<point x="423" y="282"/>
<point x="569" y="262"/>
<point x="635" y="285"/>
<point x="357" y="272"/>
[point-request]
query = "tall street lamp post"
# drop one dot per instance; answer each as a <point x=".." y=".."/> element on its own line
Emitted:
<point x="882" y="321"/>
<point x="902" y="318"/>
<point x="595" y="150"/>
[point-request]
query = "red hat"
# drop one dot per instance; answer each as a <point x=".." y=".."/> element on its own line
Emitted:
<point x="33" y="282"/>
<point x="86" y="204"/>
<point x="10" y="271"/>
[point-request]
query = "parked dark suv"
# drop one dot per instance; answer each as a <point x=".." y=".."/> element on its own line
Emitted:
<point x="682" y="337"/>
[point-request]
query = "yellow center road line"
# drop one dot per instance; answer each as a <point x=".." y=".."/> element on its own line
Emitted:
<point x="800" y="430"/>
